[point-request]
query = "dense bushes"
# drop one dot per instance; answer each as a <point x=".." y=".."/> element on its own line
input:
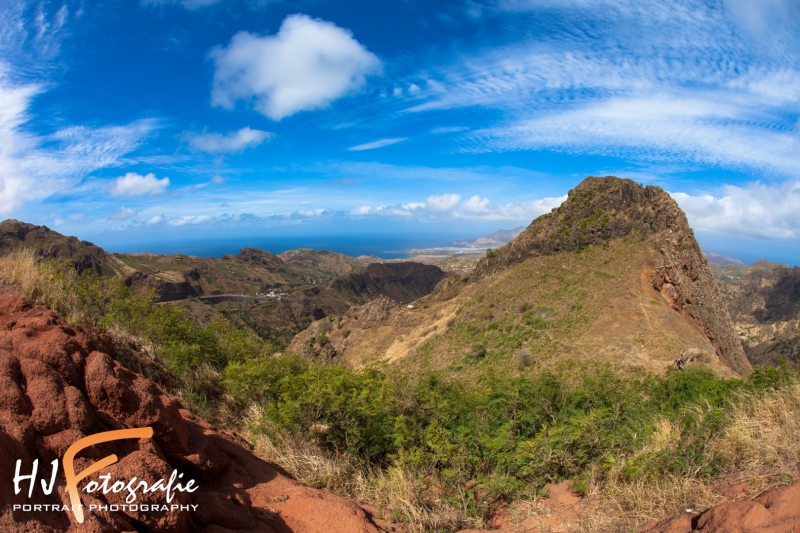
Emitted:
<point x="503" y="436"/>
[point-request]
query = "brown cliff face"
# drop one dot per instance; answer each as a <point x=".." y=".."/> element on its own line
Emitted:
<point x="599" y="210"/>
<point x="764" y="302"/>
<point x="58" y="385"/>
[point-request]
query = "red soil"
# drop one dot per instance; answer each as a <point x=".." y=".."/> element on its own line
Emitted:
<point x="58" y="385"/>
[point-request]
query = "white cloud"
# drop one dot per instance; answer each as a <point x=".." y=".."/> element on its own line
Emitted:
<point x="380" y="143"/>
<point x="449" y="129"/>
<point x="123" y="213"/>
<point x="307" y="65"/>
<point x="651" y="80"/>
<point x="664" y="128"/>
<point x="133" y="184"/>
<point x="756" y="209"/>
<point x="33" y="167"/>
<point x="476" y="207"/>
<point x="442" y="203"/>
<point x="176" y="221"/>
<point x="236" y="141"/>
<point x="189" y="219"/>
<point x="763" y="16"/>
<point x="450" y="205"/>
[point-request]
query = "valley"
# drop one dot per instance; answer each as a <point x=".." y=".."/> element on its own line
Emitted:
<point x="596" y="356"/>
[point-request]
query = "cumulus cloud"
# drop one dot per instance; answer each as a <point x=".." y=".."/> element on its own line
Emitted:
<point x="756" y="209"/>
<point x="176" y="221"/>
<point x="380" y="143"/>
<point x="236" y="141"/>
<point x="133" y="184"/>
<point x="307" y="65"/>
<point x="442" y="203"/>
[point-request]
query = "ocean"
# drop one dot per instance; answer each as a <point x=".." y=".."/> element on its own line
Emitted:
<point x="386" y="247"/>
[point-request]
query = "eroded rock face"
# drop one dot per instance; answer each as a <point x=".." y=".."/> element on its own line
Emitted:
<point x="602" y="209"/>
<point x="58" y="385"/>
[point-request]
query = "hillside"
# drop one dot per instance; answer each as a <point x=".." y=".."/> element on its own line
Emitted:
<point x="614" y="274"/>
<point x="48" y="243"/>
<point x="321" y="282"/>
<point x="764" y="302"/>
<point x="330" y="263"/>
<point x="177" y="277"/>
<point x="251" y="271"/>
<point x="403" y="281"/>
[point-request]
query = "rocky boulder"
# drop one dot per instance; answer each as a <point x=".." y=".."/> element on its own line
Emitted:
<point x="774" y="511"/>
<point x="58" y="385"/>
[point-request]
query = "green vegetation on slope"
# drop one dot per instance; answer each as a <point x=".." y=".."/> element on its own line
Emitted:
<point x="501" y="437"/>
<point x="461" y="447"/>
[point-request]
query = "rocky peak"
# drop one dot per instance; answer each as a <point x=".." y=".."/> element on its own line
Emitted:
<point x="597" y="210"/>
<point x="601" y="209"/>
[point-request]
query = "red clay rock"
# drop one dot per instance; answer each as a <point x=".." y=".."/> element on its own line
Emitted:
<point x="774" y="511"/>
<point x="58" y="385"/>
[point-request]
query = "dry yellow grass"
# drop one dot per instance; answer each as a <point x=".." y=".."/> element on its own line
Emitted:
<point x="762" y="440"/>
<point x="43" y="281"/>
<point x="760" y="446"/>
<point x="397" y="493"/>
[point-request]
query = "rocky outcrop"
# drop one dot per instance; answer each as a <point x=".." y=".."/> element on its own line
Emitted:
<point x="774" y="511"/>
<point x="58" y="385"/>
<point x="601" y="209"/>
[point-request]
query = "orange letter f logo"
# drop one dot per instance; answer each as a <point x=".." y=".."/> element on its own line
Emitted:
<point x="72" y="451"/>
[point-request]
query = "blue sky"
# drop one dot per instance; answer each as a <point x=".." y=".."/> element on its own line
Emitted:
<point x="156" y="123"/>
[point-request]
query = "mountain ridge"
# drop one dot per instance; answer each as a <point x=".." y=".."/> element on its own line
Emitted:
<point x="613" y="273"/>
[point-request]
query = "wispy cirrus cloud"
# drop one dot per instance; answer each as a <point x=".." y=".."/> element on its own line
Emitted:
<point x="237" y="141"/>
<point x="34" y="167"/>
<point x="380" y="143"/>
<point x="188" y="4"/>
<point x="651" y="81"/>
<point x="660" y="128"/>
